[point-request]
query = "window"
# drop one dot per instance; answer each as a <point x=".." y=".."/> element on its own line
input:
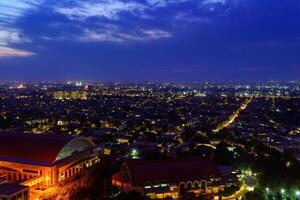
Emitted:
<point x="19" y="197"/>
<point x="26" y="195"/>
<point x="189" y="185"/>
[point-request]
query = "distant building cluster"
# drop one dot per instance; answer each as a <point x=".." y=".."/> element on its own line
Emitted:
<point x="165" y="136"/>
<point x="70" y="95"/>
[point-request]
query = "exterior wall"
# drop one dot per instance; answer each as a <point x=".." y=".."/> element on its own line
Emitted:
<point x="43" y="176"/>
<point x="174" y="190"/>
<point x="18" y="172"/>
<point x="161" y="190"/>
<point x="74" y="167"/>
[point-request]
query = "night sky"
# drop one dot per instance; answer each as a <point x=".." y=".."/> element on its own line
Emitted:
<point x="148" y="40"/>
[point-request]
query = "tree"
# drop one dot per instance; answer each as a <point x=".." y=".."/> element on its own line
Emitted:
<point x="222" y="155"/>
<point x="4" y="122"/>
<point x="132" y="195"/>
<point x="254" y="195"/>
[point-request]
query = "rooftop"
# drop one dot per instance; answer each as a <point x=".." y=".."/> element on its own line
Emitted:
<point x="10" y="189"/>
<point x="184" y="169"/>
<point x="43" y="149"/>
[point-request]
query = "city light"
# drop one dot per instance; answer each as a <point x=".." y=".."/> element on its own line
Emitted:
<point x="130" y="125"/>
<point x="234" y="116"/>
<point x="134" y="153"/>
<point x="149" y="99"/>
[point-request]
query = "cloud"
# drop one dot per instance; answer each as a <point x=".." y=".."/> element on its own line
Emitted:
<point x="104" y="35"/>
<point x="8" y="36"/>
<point x="109" y="9"/>
<point x="110" y="26"/>
<point x="188" y="17"/>
<point x="164" y="3"/>
<point x="11" y="12"/>
<point x="156" y="33"/>
<point x="105" y="20"/>
<point x="115" y="34"/>
<point x="8" y="52"/>
<point x="214" y="1"/>
<point x="219" y="7"/>
<point x="120" y="21"/>
<point x="12" y="36"/>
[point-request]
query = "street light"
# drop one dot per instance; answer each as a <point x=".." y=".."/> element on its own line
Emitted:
<point x="282" y="191"/>
<point x="134" y="153"/>
<point x="267" y="189"/>
<point x="297" y="193"/>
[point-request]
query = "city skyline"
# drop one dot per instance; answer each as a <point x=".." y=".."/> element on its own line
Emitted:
<point x="149" y="99"/>
<point x="115" y="141"/>
<point x="149" y="40"/>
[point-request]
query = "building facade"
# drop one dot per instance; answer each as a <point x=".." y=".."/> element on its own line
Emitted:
<point x="174" y="178"/>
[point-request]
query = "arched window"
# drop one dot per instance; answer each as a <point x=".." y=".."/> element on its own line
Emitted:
<point x="148" y="184"/>
<point x="189" y="185"/>
<point x="203" y="185"/>
<point x="197" y="184"/>
<point x="156" y="183"/>
<point x="182" y="189"/>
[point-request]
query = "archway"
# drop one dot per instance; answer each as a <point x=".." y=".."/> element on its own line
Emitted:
<point x="182" y="189"/>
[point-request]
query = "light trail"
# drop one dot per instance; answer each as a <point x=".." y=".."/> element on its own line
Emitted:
<point x="233" y="117"/>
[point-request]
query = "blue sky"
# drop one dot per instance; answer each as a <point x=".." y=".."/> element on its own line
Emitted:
<point x="178" y="40"/>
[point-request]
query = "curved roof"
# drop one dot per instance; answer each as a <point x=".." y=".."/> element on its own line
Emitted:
<point x="73" y="146"/>
<point x="38" y="148"/>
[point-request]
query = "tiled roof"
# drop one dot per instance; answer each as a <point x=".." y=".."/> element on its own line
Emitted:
<point x="21" y="147"/>
<point x="177" y="170"/>
<point x="10" y="189"/>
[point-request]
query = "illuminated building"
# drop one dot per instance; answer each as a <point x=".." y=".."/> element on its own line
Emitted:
<point x="43" y="161"/>
<point x="70" y="95"/>
<point x="159" y="179"/>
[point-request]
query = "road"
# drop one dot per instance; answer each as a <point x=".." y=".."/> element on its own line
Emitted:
<point x="234" y="116"/>
<point x="238" y="195"/>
